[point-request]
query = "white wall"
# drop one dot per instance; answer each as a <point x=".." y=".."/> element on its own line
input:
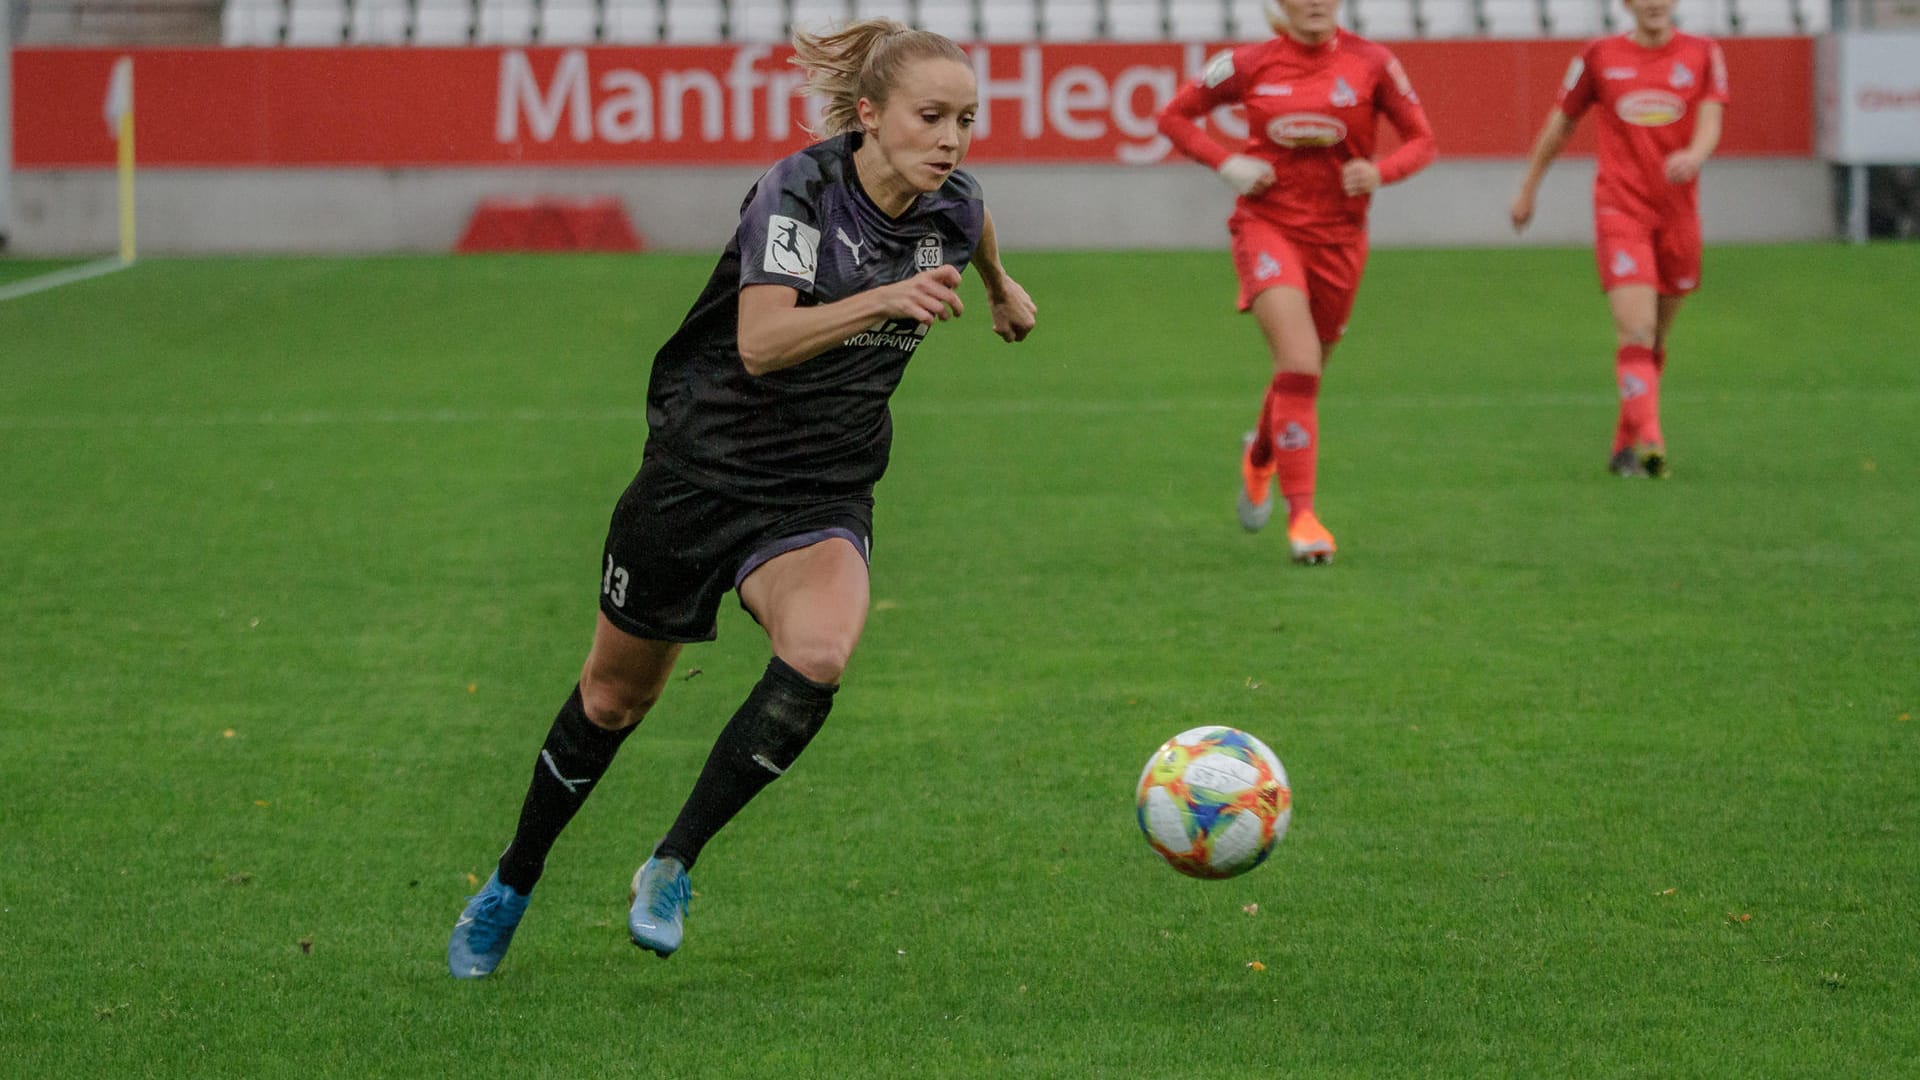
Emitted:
<point x="1453" y="204"/>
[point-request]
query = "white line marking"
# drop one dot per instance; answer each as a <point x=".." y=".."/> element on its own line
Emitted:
<point x="60" y="277"/>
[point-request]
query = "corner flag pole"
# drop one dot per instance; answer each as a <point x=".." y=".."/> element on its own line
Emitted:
<point x="6" y="126"/>
<point x="119" y="115"/>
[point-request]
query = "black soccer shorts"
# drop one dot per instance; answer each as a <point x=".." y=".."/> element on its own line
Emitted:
<point x="674" y="549"/>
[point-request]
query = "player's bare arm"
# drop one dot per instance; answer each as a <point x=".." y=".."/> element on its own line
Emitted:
<point x="776" y="333"/>
<point x="1683" y="166"/>
<point x="1014" y="312"/>
<point x="1553" y="138"/>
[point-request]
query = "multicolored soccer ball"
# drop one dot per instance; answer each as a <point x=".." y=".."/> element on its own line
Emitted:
<point x="1213" y="802"/>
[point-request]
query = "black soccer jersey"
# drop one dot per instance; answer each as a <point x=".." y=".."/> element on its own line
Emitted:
<point x="820" y="428"/>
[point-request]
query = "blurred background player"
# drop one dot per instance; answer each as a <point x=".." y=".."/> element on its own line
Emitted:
<point x="1313" y="95"/>
<point x="1662" y="95"/>
<point x="767" y="428"/>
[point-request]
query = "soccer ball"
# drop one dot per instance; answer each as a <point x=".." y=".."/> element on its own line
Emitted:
<point x="1213" y="801"/>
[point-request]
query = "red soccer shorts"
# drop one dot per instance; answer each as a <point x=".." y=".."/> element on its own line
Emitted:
<point x="1629" y="252"/>
<point x="1328" y="273"/>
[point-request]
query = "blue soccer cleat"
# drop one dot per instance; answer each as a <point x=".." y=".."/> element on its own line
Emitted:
<point x="485" y="929"/>
<point x="661" y="893"/>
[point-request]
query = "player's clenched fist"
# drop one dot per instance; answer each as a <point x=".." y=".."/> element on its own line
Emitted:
<point x="926" y="297"/>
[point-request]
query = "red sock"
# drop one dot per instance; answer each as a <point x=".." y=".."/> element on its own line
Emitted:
<point x="1639" y="378"/>
<point x="1290" y="431"/>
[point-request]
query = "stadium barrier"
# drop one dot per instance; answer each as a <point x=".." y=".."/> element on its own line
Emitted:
<point x="666" y="105"/>
<point x="400" y="144"/>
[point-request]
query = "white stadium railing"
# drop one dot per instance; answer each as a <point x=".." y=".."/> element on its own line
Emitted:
<point x="570" y="22"/>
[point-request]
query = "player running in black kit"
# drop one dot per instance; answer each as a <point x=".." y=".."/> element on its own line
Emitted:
<point x="768" y="426"/>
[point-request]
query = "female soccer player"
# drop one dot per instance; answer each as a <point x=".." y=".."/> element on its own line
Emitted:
<point x="1662" y="96"/>
<point x="1313" y="97"/>
<point x="768" y="426"/>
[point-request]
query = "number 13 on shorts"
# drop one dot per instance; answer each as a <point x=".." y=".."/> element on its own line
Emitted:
<point x="613" y="583"/>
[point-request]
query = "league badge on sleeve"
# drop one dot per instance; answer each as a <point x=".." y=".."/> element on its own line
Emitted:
<point x="1219" y="69"/>
<point x="793" y="247"/>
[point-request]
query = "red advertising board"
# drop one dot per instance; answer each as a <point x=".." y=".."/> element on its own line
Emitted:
<point x="395" y="107"/>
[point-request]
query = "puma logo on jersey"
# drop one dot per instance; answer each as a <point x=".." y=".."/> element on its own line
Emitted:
<point x="841" y="235"/>
<point x="1272" y="90"/>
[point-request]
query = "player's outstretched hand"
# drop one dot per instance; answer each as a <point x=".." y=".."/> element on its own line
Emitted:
<point x="1014" y="312"/>
<point x="926" y="297"/>
<point x="1521" y="212"/>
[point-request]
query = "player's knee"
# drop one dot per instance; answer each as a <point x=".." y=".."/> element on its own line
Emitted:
<point x="822" y="659"/>
<point x="1635" y="334"/>
<point x="615" y="704"/>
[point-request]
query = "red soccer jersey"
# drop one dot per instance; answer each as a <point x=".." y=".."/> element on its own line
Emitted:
<point x="1310" y="110"/>
<point x="1651" y="100"/>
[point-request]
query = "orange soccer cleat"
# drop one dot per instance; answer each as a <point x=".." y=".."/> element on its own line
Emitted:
<point x="1256" y="489"/>
<point x="1311" y="542"/>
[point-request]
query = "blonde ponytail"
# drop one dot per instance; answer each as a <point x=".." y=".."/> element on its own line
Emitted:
<point x="862" y="60"/>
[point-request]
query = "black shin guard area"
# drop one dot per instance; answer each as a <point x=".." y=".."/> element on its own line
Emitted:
<point x="762" y="741"/>
<point x="574" y="758"/>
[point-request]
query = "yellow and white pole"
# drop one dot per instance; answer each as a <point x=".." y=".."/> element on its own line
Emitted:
<point x="119" y="114"/>
<point x="6" y="125"/>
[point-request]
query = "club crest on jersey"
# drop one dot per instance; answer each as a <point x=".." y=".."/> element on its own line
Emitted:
<point x="1343" y="96"/>
<point x="929" y="254"/>
<point x="1681" y="77"/>
<point x="1650" y="108"/>
<point x="793" y="247"/>
<point x="1623" y="264"/>
<point x="1293" y="437"/>
<point x="1296" y="130"/>
<point x="1266" y="268"/>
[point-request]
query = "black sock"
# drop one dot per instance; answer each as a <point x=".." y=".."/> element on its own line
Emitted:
<point x="575" y="756"/>
<point x="760" y="743"/>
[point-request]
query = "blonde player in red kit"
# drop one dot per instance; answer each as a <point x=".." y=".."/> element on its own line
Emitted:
<point x="1662" y="95"/>
<point x="1313" y="95"/>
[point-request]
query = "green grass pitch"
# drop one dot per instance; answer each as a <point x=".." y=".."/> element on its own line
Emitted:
<point x="1592" y="777"/>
